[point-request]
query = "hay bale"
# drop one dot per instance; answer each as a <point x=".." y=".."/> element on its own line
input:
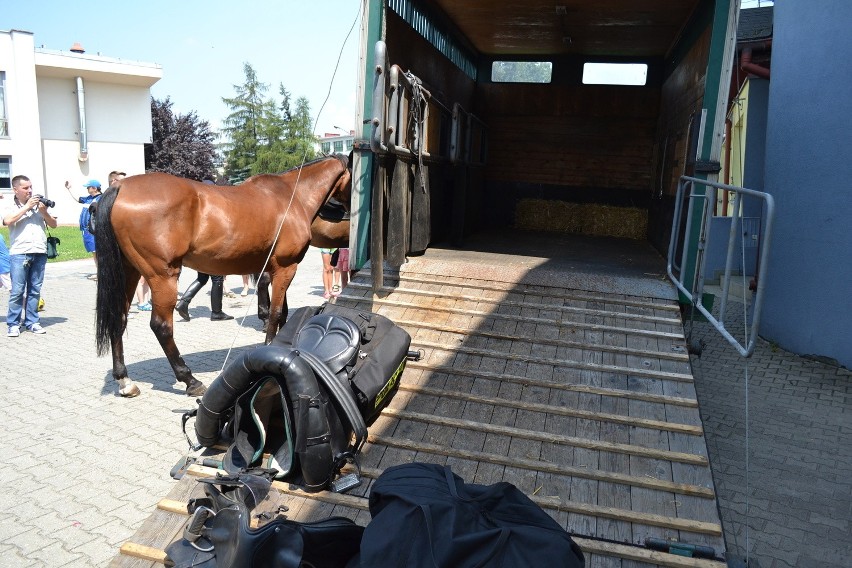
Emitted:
<point x="592" y="219"/>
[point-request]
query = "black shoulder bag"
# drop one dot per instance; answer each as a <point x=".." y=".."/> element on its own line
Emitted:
<point x="52" y="243"/>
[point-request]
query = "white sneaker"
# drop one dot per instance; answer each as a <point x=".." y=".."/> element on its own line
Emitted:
<point x="14" y="331"/>
<point x="36" y="328"/>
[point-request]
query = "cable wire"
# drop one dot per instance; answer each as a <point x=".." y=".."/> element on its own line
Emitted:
<point x="295" y="189"/>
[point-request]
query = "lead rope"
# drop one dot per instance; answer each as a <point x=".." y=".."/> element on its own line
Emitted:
<point x="251" y="301"/>
<point x="746" y="376"/>
<point x="418" y="98"/>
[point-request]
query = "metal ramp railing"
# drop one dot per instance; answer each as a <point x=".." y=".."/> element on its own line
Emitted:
<point x="740" y="228"/>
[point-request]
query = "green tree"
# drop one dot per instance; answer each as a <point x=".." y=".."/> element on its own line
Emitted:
<point x="300" y="136"/>
<point x="265" y="136"/>
<point x="181" y="145"/>
<point x="244" y="126"/>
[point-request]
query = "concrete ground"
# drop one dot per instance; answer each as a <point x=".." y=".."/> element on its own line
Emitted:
<point x="83" y="468"/>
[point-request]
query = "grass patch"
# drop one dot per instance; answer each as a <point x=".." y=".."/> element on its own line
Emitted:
<point x="70" y="246"/>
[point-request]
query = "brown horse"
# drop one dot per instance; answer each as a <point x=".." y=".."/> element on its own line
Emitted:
<point x="153" y="224"/>
<point x="330" y="232"/>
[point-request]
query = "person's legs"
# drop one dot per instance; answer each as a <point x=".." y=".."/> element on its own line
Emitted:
<point x="143" y="295"/>
<point x="341" y="269"/>
<point x="6" y="281"/>
<point x="35" y="277"/>
<point x="327" y="273"/>
<point x="182" y="306"/>
<point x="18" y="265"/>
<point x="216" y="300"/>
<point x="245" y="285"/>
<point x="89" y="244"/>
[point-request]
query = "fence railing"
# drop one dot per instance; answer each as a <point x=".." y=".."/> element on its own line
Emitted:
<point x="682" y="228"/>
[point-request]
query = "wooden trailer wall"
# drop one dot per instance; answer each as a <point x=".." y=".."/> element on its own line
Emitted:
<point x="570" y="157"/>
<point x="681" y="100"/>
<point x="598" y="160"/>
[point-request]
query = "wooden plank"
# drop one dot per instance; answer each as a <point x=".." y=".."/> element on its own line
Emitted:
<point x="643" y="499"/>
<point x="673" y="355"/>
<point x="641" y="372"/>
<point x="523" y="289"/>
<point x="537" y="381"/>
<point x="530" y="434"/>
<point x="563" y="309"/>
<point x="562" y="410"/>
<point x="644" y="555"/>
<point x="147" y="553"/>
<point x="501" y="314"/>
<point x="645" y="481"/>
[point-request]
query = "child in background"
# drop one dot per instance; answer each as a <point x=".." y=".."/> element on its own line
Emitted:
<point x="5" y="267"/>
<point x="341" y="271"/>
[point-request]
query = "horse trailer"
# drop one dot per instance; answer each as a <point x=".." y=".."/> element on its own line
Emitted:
<point x="515" y="185"/>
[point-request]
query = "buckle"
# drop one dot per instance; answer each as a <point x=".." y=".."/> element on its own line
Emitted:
<point x="194" y="527"/>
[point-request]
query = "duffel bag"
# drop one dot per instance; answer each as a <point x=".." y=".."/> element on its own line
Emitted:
<point x="426" y="516"/>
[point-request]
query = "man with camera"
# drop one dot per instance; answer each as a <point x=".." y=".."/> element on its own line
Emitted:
<point x="26" y="218"/>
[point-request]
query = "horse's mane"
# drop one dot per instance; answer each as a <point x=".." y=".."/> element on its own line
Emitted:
<point x="343" y="158"/>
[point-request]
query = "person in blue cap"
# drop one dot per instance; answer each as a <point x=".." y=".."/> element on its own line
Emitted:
<point x="94" y="188"/>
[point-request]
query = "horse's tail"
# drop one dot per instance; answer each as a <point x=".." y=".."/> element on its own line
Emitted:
<point x="110" y="319"/>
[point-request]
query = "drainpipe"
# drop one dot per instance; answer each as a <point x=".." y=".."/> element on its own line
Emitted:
<point x="726" y="175"/>
<point x="81" y="109"/>
<point x="749" y="67"/>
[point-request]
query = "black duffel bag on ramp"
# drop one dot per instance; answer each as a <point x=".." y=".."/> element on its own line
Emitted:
<point x="426" y="516"/>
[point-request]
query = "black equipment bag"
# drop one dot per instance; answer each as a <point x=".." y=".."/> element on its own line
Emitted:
<point x="219" y="535"/>
<point x="426" y="516"/>
<point x="286" y="403"/>
<point x="373" y="369"/>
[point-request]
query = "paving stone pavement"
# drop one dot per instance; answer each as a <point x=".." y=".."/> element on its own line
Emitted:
<point x="84" y="467"/>
<point x="792" y="505"/>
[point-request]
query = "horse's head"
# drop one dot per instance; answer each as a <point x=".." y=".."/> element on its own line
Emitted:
<point x="342" y="189"/>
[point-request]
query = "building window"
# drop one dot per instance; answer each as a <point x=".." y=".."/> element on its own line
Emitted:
<point x="615" y="73"/>
<point x="326" y="147"/>
<point x="4" y="118"/>
<point x="338" y="146"/>
<point x="349" y="144"/>
<point x="5" y="172"/>
<point x="521" y="71"/>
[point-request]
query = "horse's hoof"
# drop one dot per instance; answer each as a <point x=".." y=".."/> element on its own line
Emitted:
<point x="195" y="388"/>
<point x="128" y="388"/>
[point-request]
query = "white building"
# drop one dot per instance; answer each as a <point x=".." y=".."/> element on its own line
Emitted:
<point x="333" y="143"/>
<point x="68" y="115"/>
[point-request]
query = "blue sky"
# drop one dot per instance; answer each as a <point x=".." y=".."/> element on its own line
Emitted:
<point x="202" y="45"/>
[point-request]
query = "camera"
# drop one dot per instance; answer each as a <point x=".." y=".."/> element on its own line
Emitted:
<point x="47" y="202"/>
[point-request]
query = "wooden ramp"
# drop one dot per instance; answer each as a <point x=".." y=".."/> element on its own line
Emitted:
<point x="580" y="396"/>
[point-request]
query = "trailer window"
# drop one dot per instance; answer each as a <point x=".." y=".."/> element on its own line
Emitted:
<point x="615" y="73"/>
<point x="521" y="71"/>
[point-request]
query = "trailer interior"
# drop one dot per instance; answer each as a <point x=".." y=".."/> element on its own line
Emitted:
<point x="522" y="136"/>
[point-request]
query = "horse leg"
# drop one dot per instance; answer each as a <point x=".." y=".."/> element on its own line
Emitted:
<point x="281" y="280"/>
<point x="163" y="300"/>
<point x="126" y="387"/>
<point x="262" y="290"/>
